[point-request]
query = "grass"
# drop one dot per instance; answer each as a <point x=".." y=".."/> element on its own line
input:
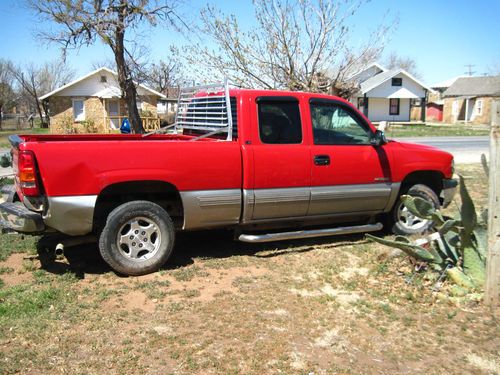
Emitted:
<point x="436" y="131"/>
<point x="332" y="305"/>
<point x="4" y="135"/>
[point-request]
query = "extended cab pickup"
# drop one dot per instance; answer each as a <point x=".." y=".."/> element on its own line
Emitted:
<point x="274" y="160"/>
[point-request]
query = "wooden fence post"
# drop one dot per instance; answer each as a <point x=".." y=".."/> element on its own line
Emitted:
<point x="492" y="287"/>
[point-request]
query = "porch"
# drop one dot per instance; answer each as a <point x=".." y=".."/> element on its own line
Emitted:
<point x="148" y="123"/>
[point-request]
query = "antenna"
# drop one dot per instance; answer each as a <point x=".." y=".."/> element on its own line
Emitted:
<point x="469" y="71"/>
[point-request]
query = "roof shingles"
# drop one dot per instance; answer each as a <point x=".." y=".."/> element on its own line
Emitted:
<point x="475" y="86"/>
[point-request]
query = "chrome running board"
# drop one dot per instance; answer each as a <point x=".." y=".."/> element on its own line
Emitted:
<point x="269" y="237"/>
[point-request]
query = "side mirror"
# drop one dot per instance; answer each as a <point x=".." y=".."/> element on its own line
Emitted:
<point x="378" y="139"/>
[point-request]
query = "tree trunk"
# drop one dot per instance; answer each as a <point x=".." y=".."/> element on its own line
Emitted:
<point x="1" y="117"/>
<point x="127" y="85"/>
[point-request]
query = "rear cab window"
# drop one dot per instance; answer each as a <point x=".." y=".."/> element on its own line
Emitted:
<point x="279" y="120"/>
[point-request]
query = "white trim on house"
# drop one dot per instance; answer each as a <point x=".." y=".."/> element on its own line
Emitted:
<point x="103" y="69"/>
<point x="368" y="67"/>
<point x="392" y="75"/>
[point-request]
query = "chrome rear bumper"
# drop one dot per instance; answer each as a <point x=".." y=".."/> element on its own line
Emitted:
<point x="15" y="216"/>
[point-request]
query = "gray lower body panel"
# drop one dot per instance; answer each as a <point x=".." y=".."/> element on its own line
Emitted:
<point x="218" y="208"/>
<point x="72" y="215"/>
<point x="211" y="208"/>
<point x="349" y="198"/>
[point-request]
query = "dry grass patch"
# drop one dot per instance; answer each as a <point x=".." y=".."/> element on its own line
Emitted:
<point x="334" y="305"/>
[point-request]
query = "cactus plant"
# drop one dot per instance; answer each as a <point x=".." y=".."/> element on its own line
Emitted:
<point x="458" y="247"/>
<point x="5" y="161"/>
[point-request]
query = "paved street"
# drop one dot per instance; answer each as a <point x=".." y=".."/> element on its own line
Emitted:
<point x="466" y="150"/>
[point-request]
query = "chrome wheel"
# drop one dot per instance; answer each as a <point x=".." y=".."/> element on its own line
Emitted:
<point x="139" y="238"/>
<point x="409" y="221"/>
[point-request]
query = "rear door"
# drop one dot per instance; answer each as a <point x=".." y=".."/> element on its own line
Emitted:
<point x="281" y="160"/>
<point x="348" y="174"/>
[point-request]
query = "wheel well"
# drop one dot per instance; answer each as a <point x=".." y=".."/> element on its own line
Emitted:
<point x="432" y="179"/>
<point x="162" y="193"/>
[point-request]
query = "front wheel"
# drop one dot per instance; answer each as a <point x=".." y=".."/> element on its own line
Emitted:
<point x="404" y="222"/>
<point x="138" y="238"/>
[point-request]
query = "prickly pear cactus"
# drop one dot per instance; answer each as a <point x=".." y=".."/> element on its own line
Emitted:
<point x="457" y="248"/>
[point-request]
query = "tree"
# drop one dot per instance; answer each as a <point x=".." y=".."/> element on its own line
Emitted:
<point x="35" y="81"/>
<point x="295" y="45"/>
<point x="394" y="61"/>
<point x="164" y="77"/>
<point x="7" y="94"/>
<point x="82" y="22"/>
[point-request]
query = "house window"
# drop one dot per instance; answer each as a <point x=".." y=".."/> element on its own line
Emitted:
<point x="454" y="108"/>
<point x="416" y="102"/>
<point x="397" y="81"/>
<point x="479" y="107"/>
<point x="394" y="107"/>
<point x="361" y="103"/>
<point x="104" y="79"/>
<point x="78" y="110"/>
<point x="113" y="108"/>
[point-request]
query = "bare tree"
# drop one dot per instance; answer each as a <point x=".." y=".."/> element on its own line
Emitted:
<point x="296" y="45"/>
<point x="7" y="93"/>
<point x="35" y="81"/>
<point x="82" y="22"/>
<point x="395" y="61"/>
<point x="165" y="77"/>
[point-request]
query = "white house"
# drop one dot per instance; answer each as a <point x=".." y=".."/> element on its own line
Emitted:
<point x="388" y="95"/>
<point x="93" y="103"/>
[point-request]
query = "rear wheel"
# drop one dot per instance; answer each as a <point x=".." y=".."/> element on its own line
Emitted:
<point x="138" y="238"/>
<point x="404" y="222"/>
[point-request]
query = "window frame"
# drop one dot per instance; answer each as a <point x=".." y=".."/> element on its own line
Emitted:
<point x="361" y="102"/>
<point x="479" y="107"/>
<point x="397" y="81"/>
<point x="350" y="110"/>
<point x="117" y="101"/>
<point x="398" y="107"/>
<point x="279" y="99"/>
<point x="75" y="117"/>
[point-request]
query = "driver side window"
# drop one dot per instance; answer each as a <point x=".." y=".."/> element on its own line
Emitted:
<point x="334" y="125"/>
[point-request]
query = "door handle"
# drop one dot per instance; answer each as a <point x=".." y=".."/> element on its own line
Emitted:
<point x="321" y="159"/>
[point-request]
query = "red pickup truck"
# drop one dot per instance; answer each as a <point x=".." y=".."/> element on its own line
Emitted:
<point x="249" y="160"/>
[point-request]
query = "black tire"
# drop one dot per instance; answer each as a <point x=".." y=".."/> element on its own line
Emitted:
<point x="404" y="222"/>
<point x="138" y="238"/>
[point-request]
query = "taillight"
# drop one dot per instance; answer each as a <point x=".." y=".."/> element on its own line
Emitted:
<point x="27" y="174"/>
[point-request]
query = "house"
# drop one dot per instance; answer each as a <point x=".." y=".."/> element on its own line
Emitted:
<point x="93" y="103"/>
<point x="435" y="101"/>
<point x="469" y="100"/>
<point x="389" y="95"/>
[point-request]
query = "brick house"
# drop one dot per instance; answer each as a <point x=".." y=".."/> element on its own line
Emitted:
<point x="93" y="104"/>
<point x="468" y="100"/>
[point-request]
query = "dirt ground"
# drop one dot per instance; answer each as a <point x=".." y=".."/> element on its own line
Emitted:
<point x="324" y="306"/>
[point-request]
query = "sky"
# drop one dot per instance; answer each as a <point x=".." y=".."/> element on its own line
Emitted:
<point x="441" y="36"/>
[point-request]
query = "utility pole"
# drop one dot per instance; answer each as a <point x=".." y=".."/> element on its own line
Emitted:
<point x="492" y="287"/>
<point x="469" y="71"/>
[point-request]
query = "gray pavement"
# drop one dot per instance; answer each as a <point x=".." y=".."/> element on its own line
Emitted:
<point x="465" y="150"/>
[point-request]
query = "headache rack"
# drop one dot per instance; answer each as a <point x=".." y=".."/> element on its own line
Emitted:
<point x="206" y="111"/>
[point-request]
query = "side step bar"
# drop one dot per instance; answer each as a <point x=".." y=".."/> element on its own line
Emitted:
<point x="257" y="238"/>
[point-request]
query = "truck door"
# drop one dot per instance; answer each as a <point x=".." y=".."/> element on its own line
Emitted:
<point x="282" y="171"/>
<point x="348" y="173"/>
